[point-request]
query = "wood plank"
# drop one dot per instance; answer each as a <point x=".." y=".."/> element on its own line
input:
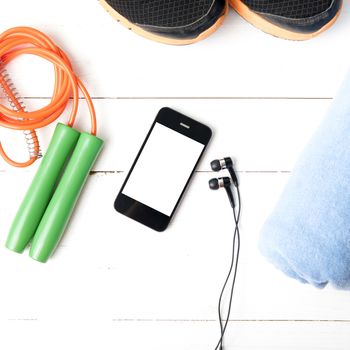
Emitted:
<point x="237" y="61"/>
<point x="263" y="135"/>
<point x="108" y="266"/>
<point x="93" y="333"/>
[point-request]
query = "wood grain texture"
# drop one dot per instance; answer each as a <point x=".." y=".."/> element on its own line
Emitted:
<point x="176" y="275"/>
<point x="114" y="284"/>
<point x="94" y="334"/>
<point x="264" y="135"/>
<point x="237" y="61"/>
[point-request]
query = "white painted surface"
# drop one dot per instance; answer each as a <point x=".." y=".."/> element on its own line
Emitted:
<point x="114" y="284"/>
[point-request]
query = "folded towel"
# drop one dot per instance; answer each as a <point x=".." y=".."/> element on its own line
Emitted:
<point x="308" y="234"/>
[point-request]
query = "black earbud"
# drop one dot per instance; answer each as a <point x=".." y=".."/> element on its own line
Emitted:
<point x="226" y="163"/>
<point x="226" y="183"/>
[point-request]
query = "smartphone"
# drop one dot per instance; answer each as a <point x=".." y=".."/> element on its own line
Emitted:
<point x="163" y="169"/>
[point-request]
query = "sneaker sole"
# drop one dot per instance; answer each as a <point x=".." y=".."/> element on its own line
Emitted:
<point x="159" y="38"/>
<point x="267" y="27"/>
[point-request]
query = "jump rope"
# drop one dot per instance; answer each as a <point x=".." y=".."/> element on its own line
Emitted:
<point x="52" y="196"/>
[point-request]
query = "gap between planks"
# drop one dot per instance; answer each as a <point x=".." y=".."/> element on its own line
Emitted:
<point x="231" y="321"/>
<point x="200" y="321"/>
<point x="185" y="98"/>
<point x="112" y="172"/>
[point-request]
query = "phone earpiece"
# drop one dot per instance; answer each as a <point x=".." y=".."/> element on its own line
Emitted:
<point x="225" y="163"/>
<point x="223" y="182"/>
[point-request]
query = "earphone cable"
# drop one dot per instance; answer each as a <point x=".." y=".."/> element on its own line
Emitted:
<point x="231" y="295"/>
<point x="233" y="268"/>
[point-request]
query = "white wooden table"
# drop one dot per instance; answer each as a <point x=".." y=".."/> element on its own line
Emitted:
<point x="114" y="284"/>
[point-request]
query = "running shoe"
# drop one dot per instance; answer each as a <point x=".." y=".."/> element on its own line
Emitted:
<point x="289" y="19"/>
<point x="176" y="22"/>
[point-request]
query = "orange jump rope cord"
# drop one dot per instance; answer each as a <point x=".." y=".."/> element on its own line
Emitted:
<point x="28" y="41"/>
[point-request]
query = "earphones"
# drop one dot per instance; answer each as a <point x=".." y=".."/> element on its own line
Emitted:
<point x="226" y="183"/>
<point x="226" y="163"/>
<point x="231" y="186"/>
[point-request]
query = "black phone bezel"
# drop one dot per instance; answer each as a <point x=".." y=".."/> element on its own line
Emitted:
<point x="141" y="212"/>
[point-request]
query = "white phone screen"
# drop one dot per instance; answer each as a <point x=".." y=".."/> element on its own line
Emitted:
<point x="163" y="169"/>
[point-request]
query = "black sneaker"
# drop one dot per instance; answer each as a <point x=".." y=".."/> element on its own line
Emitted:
<point x="289" y="19"/>
<point x="174" y="22"/>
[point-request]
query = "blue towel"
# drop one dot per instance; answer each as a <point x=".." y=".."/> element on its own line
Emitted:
<point x="308" y="234"/>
